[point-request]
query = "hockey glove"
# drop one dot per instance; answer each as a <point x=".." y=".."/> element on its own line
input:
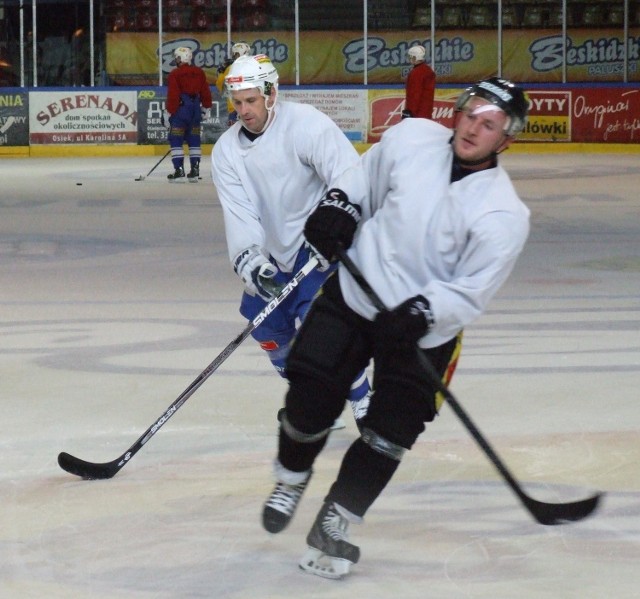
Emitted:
<point x="400" y="329"/>
<point x="165" y="119"/>
<point x="223" y="67"/>
<point x="256" y="273"/>
<point x="205" y="113"/>
<point x="406" y="114"/>
<point x="332" y="224"/>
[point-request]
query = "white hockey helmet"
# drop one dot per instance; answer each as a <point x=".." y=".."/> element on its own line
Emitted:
<point x="248" y="72"/>
<point x="241" y="49"/>
<point x="417" y="52"/>
<point x="184" y="54"/>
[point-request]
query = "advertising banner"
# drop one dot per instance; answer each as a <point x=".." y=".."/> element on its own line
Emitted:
<point x="336" y="57"/>
<point x="151" y="106"/>
<point x="347" y="108"/>
<point x="606" y="115"/>
<point x="385" y="108"/>
<point x="549" y="116"/>
<point x="83" y="117"/>
<point x="14" y="118"/>
<point x="577" y="114"/>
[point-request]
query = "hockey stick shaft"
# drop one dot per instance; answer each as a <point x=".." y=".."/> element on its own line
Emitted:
<point x="544" y="513"/>
<point x="93" y="470"/>
<point x="157" y="164"/>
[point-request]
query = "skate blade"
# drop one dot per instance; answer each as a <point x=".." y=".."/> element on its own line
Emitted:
<point x="320" y="564"/>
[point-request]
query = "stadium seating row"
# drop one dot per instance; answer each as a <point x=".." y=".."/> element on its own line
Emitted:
<point x="255" y="15"/>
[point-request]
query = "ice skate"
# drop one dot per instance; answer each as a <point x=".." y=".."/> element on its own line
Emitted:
<point x="194" y="174"/>
<point x="283" y="501"/>
<point x="177" y="176"/>
<point x="330" y="554"/>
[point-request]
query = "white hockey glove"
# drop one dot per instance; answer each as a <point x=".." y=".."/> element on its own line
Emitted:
<point x="256" y="273"/>
<point x="205" y="113"/>
<point x="165" y="119"/>
<point x="323" y="263"/>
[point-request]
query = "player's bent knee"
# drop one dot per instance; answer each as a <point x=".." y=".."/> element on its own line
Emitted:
<point x="382" y="445"/>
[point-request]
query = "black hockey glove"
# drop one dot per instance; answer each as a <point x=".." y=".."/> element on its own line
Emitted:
<point x="400" y="329"/>
<point x="223" y="67"/>
<point x="406" y="114"/>
<point x="333" y="223"/>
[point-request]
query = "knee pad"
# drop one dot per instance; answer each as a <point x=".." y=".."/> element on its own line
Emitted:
<point x="381" y="445"/>
<point x="300" y="437"/>
<point x="311" y="406"/>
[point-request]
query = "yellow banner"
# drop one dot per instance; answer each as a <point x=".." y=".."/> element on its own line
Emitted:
<point x="337" y="58"/>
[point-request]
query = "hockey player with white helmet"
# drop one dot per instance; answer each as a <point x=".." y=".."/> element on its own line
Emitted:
<point x="237" y="50"/>
<point x="420" y="87"/>
<point x="439" y="229"/>
<point x="271" y="169"/>
<point x="188" y="102"/>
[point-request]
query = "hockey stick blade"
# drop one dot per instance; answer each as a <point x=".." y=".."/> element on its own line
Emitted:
<point x="551" y="514"/>
<point x="544" y="513"/>
<point x="88" y="470"/>
<point x="98" y="470"/>
<point x="143" y="177"/>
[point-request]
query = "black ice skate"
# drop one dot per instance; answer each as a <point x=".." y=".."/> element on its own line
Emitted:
<point x="330" y="554"/>
<point x="281" y="505"/>
<point x="194" y="173"/>
<point x="177" y="176"/>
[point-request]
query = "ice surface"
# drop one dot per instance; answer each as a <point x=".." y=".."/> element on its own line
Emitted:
<point x="116" y="294"/>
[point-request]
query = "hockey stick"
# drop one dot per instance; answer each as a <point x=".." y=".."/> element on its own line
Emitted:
<point x="542" y="512"/>
<point x="142" y="178"/>
<point x="93" y="470"/>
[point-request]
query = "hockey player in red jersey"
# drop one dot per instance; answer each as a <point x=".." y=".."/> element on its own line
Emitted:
<point x="188" y="103"/>
<point x="421" y="86"/>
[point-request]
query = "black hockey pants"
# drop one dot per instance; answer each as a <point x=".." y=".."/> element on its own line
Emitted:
<point x="333" y="345"/>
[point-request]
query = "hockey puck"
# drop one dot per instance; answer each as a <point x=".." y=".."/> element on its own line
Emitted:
<point x="78" y="183"/>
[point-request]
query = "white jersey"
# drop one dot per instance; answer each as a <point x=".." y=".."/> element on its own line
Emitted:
<point x="268" y="187"/>
<point x="454" y="243"/>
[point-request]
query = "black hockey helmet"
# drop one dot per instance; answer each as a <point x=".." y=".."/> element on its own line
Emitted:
<point x="504" y="94"/>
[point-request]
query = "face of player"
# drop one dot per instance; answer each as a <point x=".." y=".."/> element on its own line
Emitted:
<point x="251" y="107"/>
<point x="480" y="131"/>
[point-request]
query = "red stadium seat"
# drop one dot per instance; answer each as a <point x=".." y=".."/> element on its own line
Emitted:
<point x="176" y="20"/>
<point x="147" y="20"/>
<point x="200" y="20"/>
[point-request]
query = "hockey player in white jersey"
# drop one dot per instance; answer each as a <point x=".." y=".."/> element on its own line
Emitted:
<point x="440" y="229"/>
<point x="271" y="169"/>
